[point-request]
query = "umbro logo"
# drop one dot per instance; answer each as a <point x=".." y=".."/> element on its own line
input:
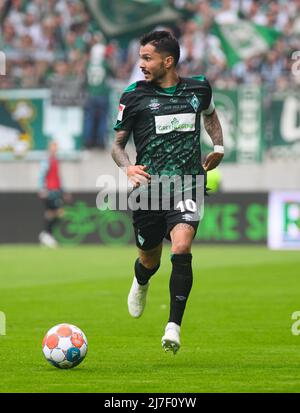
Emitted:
<point x="154" y="104"/>
<point x="180" y="298"/>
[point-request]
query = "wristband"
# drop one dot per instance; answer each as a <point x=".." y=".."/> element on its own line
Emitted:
<point x="219" y="148"/>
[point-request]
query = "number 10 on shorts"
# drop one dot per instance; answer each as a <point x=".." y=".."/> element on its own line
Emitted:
<point x="188" y="205"/>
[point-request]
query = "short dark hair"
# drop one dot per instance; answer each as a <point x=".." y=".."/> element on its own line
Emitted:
<point x="164" y="42"/>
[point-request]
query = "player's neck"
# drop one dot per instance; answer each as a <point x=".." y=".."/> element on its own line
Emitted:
<point x="171" y="79"/>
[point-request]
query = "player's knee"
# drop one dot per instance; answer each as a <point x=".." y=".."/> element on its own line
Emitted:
<point x="150" y="262"/>
<point x="150" y="259"/>
<point x="181" y="247"/>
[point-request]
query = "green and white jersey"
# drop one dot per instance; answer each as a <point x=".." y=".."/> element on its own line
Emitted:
<point x="166" y="124"/>
<point x="97" y="79"/>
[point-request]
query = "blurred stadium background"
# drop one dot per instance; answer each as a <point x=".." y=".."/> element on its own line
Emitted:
<point x="65" y="59"/>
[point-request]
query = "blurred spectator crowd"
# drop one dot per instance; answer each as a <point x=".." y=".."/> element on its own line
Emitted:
<point x="48" y="41"/>
<point x="272" y="68"/>
<point x="42" y="38"/>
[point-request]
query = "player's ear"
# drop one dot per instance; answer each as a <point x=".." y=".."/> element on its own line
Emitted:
<point x="169" y="62"/>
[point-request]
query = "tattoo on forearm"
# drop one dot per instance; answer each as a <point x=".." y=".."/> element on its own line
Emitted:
<point x="213" y="128"/>
<point x="118" y="153"/>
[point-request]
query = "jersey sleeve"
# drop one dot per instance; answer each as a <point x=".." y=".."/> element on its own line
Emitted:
<point x="209" y="105"/>
<point x="128" y="109"/>
<point x="208" y="101"/>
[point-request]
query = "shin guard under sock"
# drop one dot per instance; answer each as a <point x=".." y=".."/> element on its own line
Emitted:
<point x="180" y="285"/>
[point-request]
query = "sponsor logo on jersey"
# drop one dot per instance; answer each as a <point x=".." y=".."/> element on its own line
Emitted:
<point x="121" y="111"/>
<point x="181" y="122"/>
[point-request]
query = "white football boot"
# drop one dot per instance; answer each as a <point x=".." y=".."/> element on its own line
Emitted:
<point x="47" y="239"/>
<point x="171" y="340"/>
<point x="137" y="298"/>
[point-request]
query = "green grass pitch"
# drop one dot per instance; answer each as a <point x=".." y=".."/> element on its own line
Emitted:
<point x="236" y="334"/>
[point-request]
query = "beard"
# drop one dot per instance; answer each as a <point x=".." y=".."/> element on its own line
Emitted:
<point x="157" y="75"/>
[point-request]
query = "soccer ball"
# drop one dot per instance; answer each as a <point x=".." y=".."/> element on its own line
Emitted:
<point x="65" y="346"/>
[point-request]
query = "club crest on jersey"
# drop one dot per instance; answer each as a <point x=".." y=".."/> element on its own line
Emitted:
<point x="121" y="111"/>
<point x="195" y="103"/>
<point x="154" y="104"/>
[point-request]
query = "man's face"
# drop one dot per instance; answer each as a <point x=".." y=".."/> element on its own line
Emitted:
<point x="152" y="63"/>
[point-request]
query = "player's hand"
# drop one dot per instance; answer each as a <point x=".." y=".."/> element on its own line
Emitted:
<point x="43" y="194"/>
<point x="137" y="175"/>
<point x="212" y="160"/>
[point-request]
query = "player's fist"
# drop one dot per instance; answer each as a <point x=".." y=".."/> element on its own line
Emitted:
<point x="137" y="175"/>
<point x="212" y="160"/>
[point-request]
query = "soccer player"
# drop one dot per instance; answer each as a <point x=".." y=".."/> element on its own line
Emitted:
<point x="50" y="190"/>
<point x="163" y="113"/>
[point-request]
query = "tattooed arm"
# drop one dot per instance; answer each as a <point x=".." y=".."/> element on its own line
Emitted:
<point x="136" y="173"/>
<point x="213" y="128"/>
<point x="118" y="153"/>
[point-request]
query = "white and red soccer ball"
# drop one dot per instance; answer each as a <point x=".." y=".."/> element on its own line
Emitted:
<point x="65" y="346"/>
